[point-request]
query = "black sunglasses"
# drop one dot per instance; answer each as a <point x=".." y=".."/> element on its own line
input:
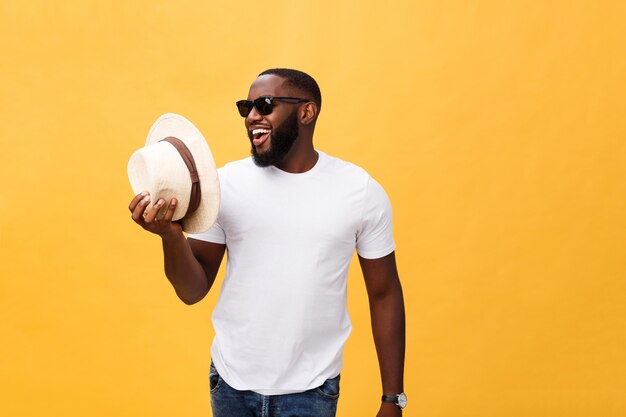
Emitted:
<point x="264" y="105"/>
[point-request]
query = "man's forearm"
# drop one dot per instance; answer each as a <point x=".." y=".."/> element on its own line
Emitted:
<point x="388" y="328"/>
<point x="183" y="270"/>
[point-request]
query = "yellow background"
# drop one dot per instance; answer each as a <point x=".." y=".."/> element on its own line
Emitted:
<point x="497" y="128"/>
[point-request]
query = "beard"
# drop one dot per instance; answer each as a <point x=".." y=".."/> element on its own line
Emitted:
<point x="281" y="141"/>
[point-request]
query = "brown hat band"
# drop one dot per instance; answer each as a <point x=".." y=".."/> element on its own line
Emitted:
<point x="185" y="153"/>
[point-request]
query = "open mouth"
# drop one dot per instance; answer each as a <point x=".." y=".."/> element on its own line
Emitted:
<point x="259" y="136"/>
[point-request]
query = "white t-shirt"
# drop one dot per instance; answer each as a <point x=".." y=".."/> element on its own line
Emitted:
<point x="281" y="319"/>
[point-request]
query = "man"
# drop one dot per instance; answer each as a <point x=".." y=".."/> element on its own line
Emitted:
<point x="291" y="218"/>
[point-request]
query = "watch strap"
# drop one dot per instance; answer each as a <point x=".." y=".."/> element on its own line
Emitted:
<point x="390" y="398"/>
<point x="396" y="399"/>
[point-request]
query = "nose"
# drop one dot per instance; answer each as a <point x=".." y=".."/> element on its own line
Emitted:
<point x="253" y="116"/>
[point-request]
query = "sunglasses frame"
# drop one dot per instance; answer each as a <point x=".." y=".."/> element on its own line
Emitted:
<point x="247" y="105"/>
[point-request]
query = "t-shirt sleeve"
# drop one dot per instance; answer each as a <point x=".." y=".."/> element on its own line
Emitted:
<point x="215" y="234"/>
<point x="375" y="235"/>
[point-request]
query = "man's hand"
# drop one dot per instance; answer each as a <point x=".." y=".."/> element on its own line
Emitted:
<point x="389" y="410"/>
<point x="147" y="219"/>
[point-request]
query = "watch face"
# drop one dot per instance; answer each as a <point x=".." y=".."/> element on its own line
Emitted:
<point x="402" y="400"/>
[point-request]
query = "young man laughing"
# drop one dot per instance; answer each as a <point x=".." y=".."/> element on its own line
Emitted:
<point x="291" y="218"/>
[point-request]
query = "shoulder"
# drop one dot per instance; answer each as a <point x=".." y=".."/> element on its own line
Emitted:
<point x="353" y="176"/>
<point x="339" y="167"/>
<point x="235" y="168"/>
<point x="237" y="165"/>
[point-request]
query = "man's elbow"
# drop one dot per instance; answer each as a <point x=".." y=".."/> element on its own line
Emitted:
<point x="189" y="302"/>
<point x="191" y="299"/>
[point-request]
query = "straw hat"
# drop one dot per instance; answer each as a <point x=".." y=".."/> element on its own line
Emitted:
<point x="165" y="168"/>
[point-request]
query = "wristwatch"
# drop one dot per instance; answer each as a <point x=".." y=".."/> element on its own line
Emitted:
<point x="397" y="399"/>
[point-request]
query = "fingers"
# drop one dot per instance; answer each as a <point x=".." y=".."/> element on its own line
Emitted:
<point x="170" y="211"/>
<point x="152" y="213"/>
<point x="148" y="218"/>
<point x="136" y="200"/>
<point x="139" y="207"/>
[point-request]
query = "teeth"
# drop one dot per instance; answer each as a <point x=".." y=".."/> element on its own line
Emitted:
<point x="257" y="131"/>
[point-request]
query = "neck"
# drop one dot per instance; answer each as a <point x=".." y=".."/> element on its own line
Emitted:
<point x="301" y="158"/>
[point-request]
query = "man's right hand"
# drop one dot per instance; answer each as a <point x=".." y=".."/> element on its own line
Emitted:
<point x="147" y="219"/>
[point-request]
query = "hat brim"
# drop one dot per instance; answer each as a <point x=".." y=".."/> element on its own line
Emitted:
<point x="175" y="125"/>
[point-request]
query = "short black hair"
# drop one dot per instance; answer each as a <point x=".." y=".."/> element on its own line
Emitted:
<point x="300" y="80"/>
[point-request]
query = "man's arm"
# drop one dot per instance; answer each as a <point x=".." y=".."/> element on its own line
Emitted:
<point x="388" y="324"/>
<point x="190" y="265"/>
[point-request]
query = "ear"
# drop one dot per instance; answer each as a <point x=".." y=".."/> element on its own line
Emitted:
<point x="308" y="113"/>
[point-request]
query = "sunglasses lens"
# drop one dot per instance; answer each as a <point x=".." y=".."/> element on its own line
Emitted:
<point x="244" y="107"/>
<point x="263" y="105"/>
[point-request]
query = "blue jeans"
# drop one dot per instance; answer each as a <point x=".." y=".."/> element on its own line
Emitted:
<point x="229" y="402"/>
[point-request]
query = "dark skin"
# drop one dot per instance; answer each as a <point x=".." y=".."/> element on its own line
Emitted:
<point x="191" y="265"/>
